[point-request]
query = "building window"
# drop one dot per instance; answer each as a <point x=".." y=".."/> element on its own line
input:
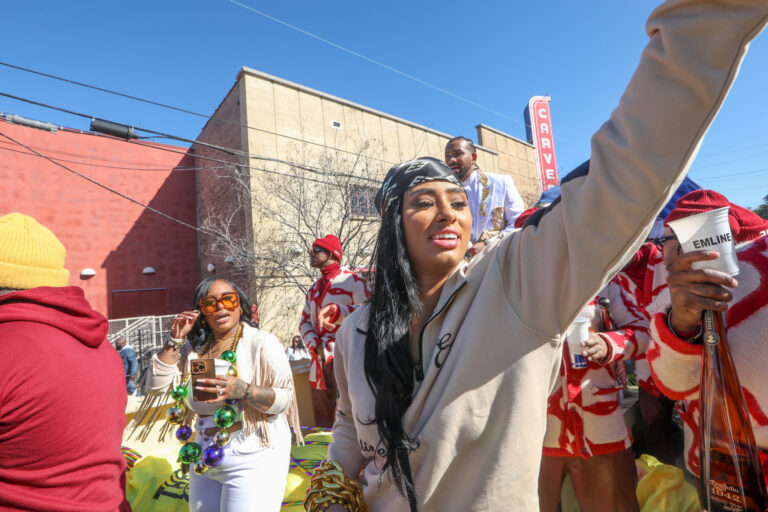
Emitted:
<point x="336" y="124"/>
<point x="363" y="201"/>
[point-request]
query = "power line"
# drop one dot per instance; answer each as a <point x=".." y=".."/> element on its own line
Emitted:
<point x="94" y="87"/>
<point x="229" y="164"/>
<point x="731" y="151"/>
<point x="392" y="69"/>
<point x="178" y="109"/>
<point x="111" y="190"/>
<point x="730" y="175"/>
<point x="230" y="151"/>
<point x="205" y="231"/>
<point x="180" y="168"/>
<point x="745" y="157"/>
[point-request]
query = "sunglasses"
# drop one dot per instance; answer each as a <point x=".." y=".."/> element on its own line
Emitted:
<point x="659" y="242"/>
<point x="209" y="305"/>
<point x="318" y="250"/>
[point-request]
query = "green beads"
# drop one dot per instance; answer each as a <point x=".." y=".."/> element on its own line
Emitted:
<point x="190" y="452"/>
<point x="179" y="393"/>
<point x="175" y="414"/>
<point x="221" y="438"/>
<point x="229" y="356"/>
<point x="225" y="417"/>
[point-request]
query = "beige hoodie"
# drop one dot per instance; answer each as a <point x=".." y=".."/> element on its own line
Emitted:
<point x="492" y="348"/>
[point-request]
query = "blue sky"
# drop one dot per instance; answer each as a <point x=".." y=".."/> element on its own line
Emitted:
<point x="497" y="54"/>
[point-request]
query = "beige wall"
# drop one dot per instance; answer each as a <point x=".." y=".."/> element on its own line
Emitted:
<point x="515" y="158"/>
<point x="292" y="123"/>
<point x="216" y="196"/>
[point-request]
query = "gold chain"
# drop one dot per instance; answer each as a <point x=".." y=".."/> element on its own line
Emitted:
<point x="328" y="486"/>
<point x="209" y="341"/>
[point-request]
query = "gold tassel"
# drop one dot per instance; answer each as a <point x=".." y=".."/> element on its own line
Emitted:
<point x="256" y="420"/>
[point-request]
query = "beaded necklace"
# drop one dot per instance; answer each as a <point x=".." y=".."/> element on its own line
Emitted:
<point x="191" y="452"/>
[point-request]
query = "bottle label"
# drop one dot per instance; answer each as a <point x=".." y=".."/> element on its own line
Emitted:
<point x="710" y="333"/>
<point x="726" y="497"/>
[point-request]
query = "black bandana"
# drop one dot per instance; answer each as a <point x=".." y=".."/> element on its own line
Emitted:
<point x="403" y="176"/>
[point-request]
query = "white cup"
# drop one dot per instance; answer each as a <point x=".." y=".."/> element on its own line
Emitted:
<point x="221" y="367"/>
<point x="576" y="333"/>
<point x="708" y="231"/>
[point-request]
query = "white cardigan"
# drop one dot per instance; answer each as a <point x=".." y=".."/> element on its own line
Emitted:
<point x="253" y="345"/>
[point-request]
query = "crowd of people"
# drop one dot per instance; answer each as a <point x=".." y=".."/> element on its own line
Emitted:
<point x="450" y="384"/>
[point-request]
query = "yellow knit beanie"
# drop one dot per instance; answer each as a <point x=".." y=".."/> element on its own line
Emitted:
<point x="30" y="254"/>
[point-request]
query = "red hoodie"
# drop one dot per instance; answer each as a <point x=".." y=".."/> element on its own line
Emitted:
<point x="62" y="404"/>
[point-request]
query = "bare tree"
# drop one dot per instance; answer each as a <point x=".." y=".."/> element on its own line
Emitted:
<point x="273" y="210"/>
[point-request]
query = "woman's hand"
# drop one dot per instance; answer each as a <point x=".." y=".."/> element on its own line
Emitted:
<point x="595" y="348"/>
<point x="182" y="323"/>
<point x="226" y="386"/>
<point x="327" y="315"/>
<point x="693" y="291"/>
<point x="232" y="388"/>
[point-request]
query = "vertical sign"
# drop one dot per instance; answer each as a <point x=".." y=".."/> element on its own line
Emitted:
<point x="539" y="128"/>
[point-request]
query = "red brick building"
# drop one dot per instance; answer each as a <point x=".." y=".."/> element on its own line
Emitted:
<point x="102" y="231"/>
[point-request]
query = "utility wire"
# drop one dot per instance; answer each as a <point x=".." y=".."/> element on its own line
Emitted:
<point x="230" y="151"/>
<point x="198" y="114"/>
<point x="380" y="64"/>
<point x="730" y="175"/>
<point x="180" y="168"/>
<point x="111" y="190"/>
<point x="228" y="164"/>
<point x="96" y="88"/>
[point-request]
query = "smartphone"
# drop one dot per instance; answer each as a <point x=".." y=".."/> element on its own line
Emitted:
<point x="202" y="369"/>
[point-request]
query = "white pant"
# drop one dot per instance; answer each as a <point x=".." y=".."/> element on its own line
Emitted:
<point x="250" y="477"/>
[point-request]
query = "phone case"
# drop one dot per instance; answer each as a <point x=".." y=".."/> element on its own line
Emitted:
<point x="202" y="369"/>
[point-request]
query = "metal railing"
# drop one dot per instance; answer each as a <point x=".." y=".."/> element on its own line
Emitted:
<point x="145" y="334"/>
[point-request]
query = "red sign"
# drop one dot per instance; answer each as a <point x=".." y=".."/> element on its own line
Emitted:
<point x="543" y="142"/>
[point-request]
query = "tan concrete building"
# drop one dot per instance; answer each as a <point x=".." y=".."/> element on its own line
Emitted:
<point x="305" y="164"/>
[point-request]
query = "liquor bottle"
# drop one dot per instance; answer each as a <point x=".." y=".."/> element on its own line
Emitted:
<point x="731" y="474"/>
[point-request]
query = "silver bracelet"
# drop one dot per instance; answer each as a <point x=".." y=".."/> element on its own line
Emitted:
<point x="176" y="343"/>
<point x="690" y="339"/>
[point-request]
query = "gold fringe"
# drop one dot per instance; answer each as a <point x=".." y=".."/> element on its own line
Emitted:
<point x="151" y="408"/>
<point x="255" y="420"/>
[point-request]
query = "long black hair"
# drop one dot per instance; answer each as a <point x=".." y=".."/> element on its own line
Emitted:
<point x="388" y="364"/>
<point x="200" y="330"/>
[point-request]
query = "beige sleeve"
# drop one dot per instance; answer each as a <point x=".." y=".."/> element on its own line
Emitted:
<point x="345" y="448"/>
<point x="281" y="380"/>
<point x="638" y="158"/>
<point x="162" y="375"/>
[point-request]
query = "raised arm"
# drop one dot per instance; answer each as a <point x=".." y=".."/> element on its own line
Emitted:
<point x="168" y="364"/>
<point x="638" y="159"/>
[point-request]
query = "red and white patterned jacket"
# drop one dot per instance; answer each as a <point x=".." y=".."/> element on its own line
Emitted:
<point x="676" y="364"/>
<point x="584" y="418"/>
<point x="347" y="290"/>
<point x="636" y="293"/>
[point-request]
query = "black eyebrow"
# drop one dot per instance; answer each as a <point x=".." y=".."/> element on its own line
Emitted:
<point x="422" y="191"/>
